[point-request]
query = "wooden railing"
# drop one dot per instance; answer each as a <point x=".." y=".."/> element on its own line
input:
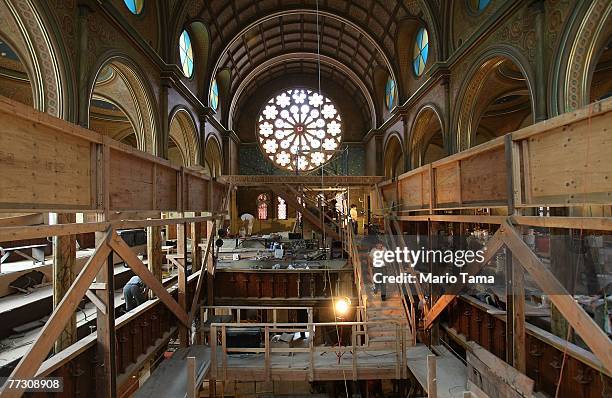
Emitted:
<point x="53" y="165"/>
<point x="561" y="162"/>
<point x="219" y="365"/>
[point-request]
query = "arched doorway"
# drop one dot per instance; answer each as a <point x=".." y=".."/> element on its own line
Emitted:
<point x="427" y="140"/>
<point x="497" y="99"/>
<point x="183" y="145"/>
<point x="14" y="79"/>
<point x="601" y="81"/>
<point x="212" y="156"/>
<point x="394" y="157"/>
<point x="121" y="107"/>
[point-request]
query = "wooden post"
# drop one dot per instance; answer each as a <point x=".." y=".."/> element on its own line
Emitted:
<point x="212" y="386"/>
<point x="267" y="359"/>
<point x="192" y="385"/>
<point x="432" y="386"/>
<point x="518" y="298"/>
<point x="196" y="253"/>
<point x="181" y="249"/>
<point x="64" y="258"/>
<point x="509" y="308"/>
<point x="154" y="254"/>
<point x="467" y="394"/>
<point x="106" y="369"/>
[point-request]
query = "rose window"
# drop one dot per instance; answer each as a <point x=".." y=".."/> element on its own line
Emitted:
<point x="299" y="130"/>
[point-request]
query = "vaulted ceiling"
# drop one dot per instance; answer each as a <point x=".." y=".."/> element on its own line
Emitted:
<point x="261" y="40"/>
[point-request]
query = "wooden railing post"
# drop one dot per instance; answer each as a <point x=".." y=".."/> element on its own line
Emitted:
<point x="192" y="385"/>
<point x="267" y="362"/>
<point x="432" y="380"/>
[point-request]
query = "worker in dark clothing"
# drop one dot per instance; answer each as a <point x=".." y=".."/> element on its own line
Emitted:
<point x="134" y="293"/>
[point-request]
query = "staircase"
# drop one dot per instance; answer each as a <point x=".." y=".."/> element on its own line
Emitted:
<point x="391" y="309"/>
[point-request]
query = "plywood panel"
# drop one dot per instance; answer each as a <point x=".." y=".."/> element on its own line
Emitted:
<point x="43" y="167"/>
<point x="412" y="191"/>
<point x="166" y="185"/>
<point x="571" y="164"/>
<point x="219" y="191"/>
<point x="131" y="182"/>
<point x="447" y="184"/>
<point x="197" y="193"/>
<point x="389" y="194"/>
<point x="483" y="177"/>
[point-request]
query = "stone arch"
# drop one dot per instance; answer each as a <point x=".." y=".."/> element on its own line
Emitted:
<point x="184" y="144"/>
<point x="212" y="156"/>
<point x="119" y="81"/>
<point x="509" y="80"/>
<point x="427" y="139"/>
<point x="25" y="24"/>
<point x="393" y="156"/>
<point x="581" y="46"/>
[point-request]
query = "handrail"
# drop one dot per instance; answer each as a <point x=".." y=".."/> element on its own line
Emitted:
<point x="354" y="346"/>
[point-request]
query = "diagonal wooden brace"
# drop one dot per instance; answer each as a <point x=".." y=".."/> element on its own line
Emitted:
<point x="30" y="362"/>
<point x="196" y="294"/>
<point x="585" y="326"/>
<point x="123" y="250"/>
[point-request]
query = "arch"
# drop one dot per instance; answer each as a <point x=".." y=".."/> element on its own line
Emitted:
<point x="223" y="79"/>
<point x="201" y="43"/>
<point x="244" y="83"/>
<point x="405" y="44"/>
<point x="212" y="157"/>
<point x="120" y="81"/>
<point x="393" y="156"/>
<point x="427" y="138"/>
<point x="581" y="46"/>
<point x="24" y="24"/>
<point x="503" y="70"/>
<point x="184" y="136"/>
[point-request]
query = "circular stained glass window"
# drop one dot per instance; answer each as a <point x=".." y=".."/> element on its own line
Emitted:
<point x="186" y="54"/>
<point x="135" y="6"/>
<point x="421" y="51"/>
<point x="390" y="93"/>
<point x="299" y="129"/>
<point x="213" y="96"/>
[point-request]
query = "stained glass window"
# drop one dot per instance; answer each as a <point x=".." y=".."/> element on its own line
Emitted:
<point x="262" y="206"/>
<point x="135" y="6"/>
<point x="479" y="5"/>
<point x="390" y="93"/>
<point x="281" y="209"/>
<point x="421" y="51"/>
<point x="186" y="54"/>
<point x="299" y="129"/>
<point x="213" y="99"/>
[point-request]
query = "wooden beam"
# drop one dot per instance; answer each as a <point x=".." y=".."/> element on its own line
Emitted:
<point x="267" y="180"/>
<point x="96" y="301"/>
<point x="519" y="359"/>
<point x="154" y="252"/>
<point x="585" y="326"/>
<point x="64" y="258"/>
<point x="432" y="379"/>
<point x="493" y="245"/>
<point x="30" y="362"/>
<point x="201" y="278"/>
<point x="181" y="250"/>
<point x="147" y="277"/>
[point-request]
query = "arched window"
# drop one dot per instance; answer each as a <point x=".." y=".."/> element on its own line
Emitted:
<point x="186" y="54"/>
<point x="299" y="129"/>
<point x="421" y="51"/>
<point x="390" y="93"/>
<point x="262" y="206"/>
<point x="479" y="5"/>
<point x="281" y="211"/>
<point x="213" y="96"/>
<point x="135" y="6"/>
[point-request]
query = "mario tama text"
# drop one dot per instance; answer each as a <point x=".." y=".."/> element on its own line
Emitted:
<point x="427" y="277"/>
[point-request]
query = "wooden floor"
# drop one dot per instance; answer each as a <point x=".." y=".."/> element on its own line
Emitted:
<point x="451" y="372"/>
<point x="170" y="378"/>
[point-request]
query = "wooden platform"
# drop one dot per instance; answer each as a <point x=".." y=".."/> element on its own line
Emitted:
<point x="451" y="372"/>
<point x="170" y="378"/>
